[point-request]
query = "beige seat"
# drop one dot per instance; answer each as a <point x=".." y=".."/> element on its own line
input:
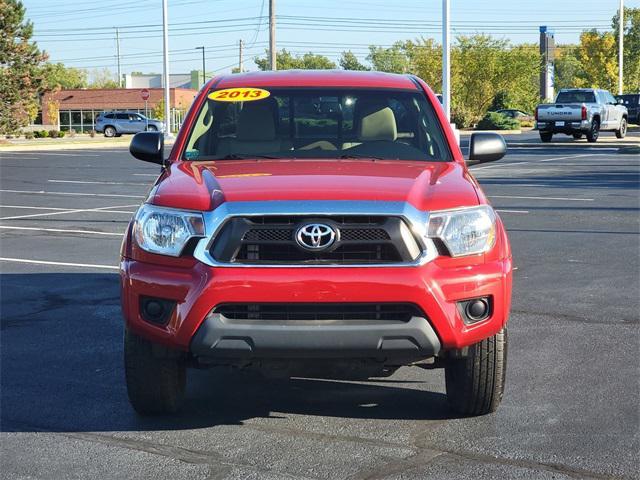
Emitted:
<point x="256" y="131"/>
<point x="373" y="121"/>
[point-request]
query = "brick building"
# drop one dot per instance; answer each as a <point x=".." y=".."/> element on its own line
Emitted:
<point x="77" y="108"/>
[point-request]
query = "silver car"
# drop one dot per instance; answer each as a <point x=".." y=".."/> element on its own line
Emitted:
<point x="114" y="124"/>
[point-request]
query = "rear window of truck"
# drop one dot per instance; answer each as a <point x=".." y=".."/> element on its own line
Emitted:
<point x="576" y="97"/>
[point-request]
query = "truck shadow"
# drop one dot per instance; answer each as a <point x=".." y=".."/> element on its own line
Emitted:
<point x="61" y="370"/>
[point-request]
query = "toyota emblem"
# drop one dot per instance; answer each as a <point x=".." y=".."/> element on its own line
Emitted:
<point x="315" y="236"/>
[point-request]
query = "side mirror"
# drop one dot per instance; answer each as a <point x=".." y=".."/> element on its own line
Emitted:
<point x="148" y="147"/>
<point x="486" y="147"/>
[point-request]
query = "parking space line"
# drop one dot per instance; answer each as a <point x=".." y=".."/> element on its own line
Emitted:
<point x="79" y="210"/>
<point x="64" y="264"/>
<point x="60" y="230"/>
<point x="42" y="192"/>
<point x="146" y="174"/>
<point x="544" y="198"/>
<point x="511" y="211"/>
<point x="499" y="165"/>
<point x="67" y="210"/>
<point x="97" y="183"/>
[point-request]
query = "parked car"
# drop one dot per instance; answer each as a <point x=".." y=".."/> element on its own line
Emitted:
<point x="581" y="111"/>
<point x="632" y="102"/>
<point x="284" y="237"/>
<point x="517" y="114"/>
<point x="114" y="124"/>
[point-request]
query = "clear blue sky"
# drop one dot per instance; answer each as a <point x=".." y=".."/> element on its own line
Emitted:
<point x="82" y="34"/>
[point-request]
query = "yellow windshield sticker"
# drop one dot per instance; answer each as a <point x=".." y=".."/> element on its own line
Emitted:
<point x="239" y="95"/>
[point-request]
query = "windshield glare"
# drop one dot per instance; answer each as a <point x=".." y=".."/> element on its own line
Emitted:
<point x="319" y="123"/>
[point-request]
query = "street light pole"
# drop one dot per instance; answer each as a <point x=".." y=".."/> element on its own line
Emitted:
<point x="446" y="67"/>
<point x="620" y="46"/>
<point x="165" y="63"/>
<point x="204" y="71"/>
<point x="272" y="35"/>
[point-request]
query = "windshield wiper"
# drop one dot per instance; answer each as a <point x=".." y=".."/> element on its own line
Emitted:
<point x="243" y="156"/>
<point x="360" y="155"/>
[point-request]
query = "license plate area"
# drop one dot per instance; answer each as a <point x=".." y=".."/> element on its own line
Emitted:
<point x="560" y="124"/>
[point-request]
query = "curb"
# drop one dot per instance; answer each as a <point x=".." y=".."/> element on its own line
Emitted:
<point x="68" y="146"/>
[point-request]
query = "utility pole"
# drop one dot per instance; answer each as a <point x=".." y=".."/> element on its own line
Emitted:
<point x="165" y="62"/>
<point x="620" y="46"/>
<point x="118" y="55"/>
<point x="272" y="35"/>
<point x="240" y="58"/>
<point x="446" y="55"/>
<point x="204" y="68"/>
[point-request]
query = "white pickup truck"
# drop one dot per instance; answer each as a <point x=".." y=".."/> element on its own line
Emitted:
<point x="581" y="111"/>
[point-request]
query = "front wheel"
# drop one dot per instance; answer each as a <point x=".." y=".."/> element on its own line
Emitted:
<point x="155" y="385"/>
<point x="594" y="131"/>
<point x="152" y="128"/>
<point x="546" y="136"/>
<point x="110" y="132"/>
<point x="475" y="383"/>
<point x="622" y="131"/>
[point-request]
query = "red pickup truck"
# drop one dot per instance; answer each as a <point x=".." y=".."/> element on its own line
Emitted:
<point x="319" y="224"/>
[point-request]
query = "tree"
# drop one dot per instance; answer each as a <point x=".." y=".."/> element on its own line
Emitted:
<point x="425" y="59"/>
<point x="392" y="59"/>
<point x="103" y="79"/>
<point x="157" y="112"/>
<point x="631" y="60"/>
<point x="567" y="67"/>
<point x="348" y="61"/>
<point x="597" y="55"/>
<point x="286" y="61"/>
<point x="57" y="76"/>
<point x="20" y="62"/>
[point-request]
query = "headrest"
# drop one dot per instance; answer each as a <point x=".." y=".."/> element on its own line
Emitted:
<point x="256" y="122"/>
<point x="375" y="121"/>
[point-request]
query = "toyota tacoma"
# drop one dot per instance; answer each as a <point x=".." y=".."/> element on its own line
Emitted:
<point x="318" y="224"/>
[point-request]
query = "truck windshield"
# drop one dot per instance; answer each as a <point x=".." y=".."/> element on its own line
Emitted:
<point x="316" y="123"/>
<point x="576" y="96"/>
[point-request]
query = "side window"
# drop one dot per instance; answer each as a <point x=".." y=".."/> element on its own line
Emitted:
<point x="610" y="98"/>
<point x="122" y="116"/>
<point x="109" y="115"/>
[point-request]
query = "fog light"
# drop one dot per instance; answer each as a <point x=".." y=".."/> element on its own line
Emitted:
<point x="156" y="310"/>
<point x="475" y="310"/>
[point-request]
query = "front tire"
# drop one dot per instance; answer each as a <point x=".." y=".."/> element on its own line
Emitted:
<point x="155" y="385"/>
<point x="475" y="383"/>
<point x="152" y="128"/>
<point x="622" y="131"/>
<point x="546" y="136"/>
<point x="594" y="131"/>
<point x="110" y="132"/>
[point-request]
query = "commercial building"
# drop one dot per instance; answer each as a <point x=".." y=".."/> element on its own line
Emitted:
<point x="77" y="108"/>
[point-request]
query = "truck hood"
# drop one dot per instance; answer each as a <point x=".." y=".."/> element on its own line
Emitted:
<point x="205" y="185"/>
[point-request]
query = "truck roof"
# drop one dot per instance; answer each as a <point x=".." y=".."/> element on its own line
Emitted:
<point x="315" y="78"/>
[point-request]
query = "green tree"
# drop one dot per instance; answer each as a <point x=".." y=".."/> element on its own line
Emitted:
<point x="567" y="67"/>
<point x="392" y="59"/>
<point x="348" y="61"/>
<point x="286" y="61"/>
<point x="598" y="57"/>
<point x="631" y="61"/>
<point x="103" y="78"/>
<point x="425" y="60"/>
<point x="20" y="62"/>
<point x="157" y="112"/>
<point x="57" y="76"/>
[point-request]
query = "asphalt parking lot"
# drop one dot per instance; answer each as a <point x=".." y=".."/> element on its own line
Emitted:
<point x="571" y="407"/>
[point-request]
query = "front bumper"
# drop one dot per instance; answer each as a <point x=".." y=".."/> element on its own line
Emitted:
<point x="435" y="288"/>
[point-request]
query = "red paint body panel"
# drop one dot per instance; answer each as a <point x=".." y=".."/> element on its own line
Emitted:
<point x="435" y="286"/>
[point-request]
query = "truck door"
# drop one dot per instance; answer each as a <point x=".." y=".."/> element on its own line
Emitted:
<point x="615" y="112"/>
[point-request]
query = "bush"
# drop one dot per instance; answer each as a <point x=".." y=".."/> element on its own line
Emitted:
<point x="498" y="121"/>
<point x="92" y="133"/>
<point x="72" y="133"/>
<point x="43" y="134"/>
<point x="60" y="134"/>
<point x="526" y="123"/>
<point x="29" y="135"/>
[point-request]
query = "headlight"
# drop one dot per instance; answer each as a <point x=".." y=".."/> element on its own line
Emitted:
<point x="166" y="231"/>
<point x="467" y="231"/>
